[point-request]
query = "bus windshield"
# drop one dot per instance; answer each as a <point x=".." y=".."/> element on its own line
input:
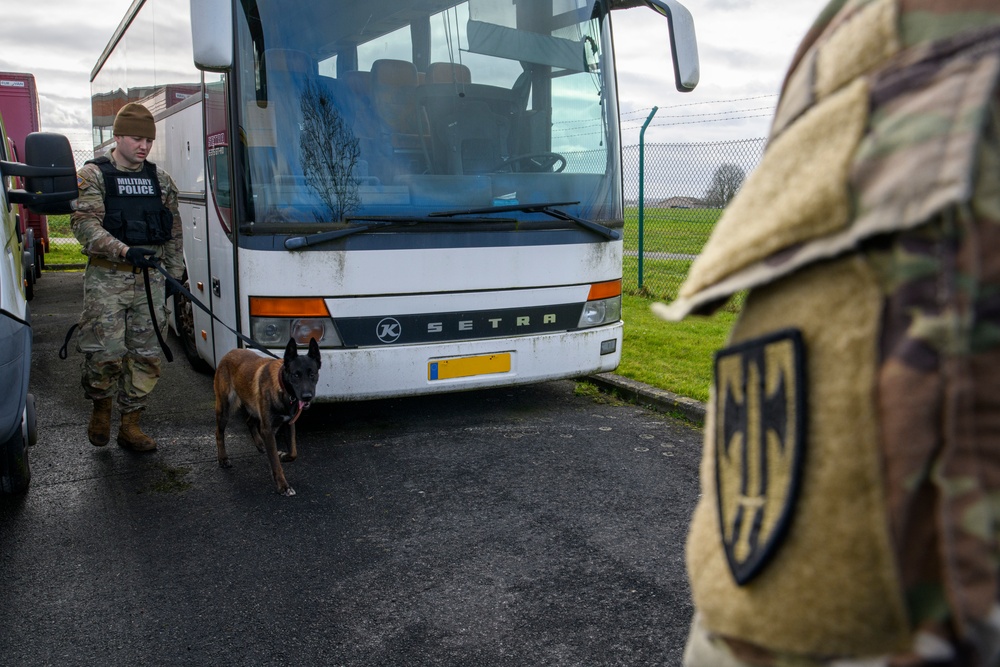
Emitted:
<point x="410" y="108"/>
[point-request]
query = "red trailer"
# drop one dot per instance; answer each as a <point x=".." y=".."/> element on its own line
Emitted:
<point x="19" y="110"/>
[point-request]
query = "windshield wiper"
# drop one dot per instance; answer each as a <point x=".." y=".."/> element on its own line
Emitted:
<point x="375" y="222"/>
<point x="548" y="208"/>
<point x="295" y="242"/>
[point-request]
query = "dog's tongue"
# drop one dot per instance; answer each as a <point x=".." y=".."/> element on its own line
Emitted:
<point x="301" y="406"/>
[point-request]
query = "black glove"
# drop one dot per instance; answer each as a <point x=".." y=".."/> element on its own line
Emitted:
<point x="140" y="257"/>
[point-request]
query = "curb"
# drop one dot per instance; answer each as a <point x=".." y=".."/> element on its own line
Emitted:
<point x="649" y="396"/>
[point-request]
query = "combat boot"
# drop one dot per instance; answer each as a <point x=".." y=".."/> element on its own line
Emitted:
<point x="99" y="428"/>
<point x="131" y="437"/>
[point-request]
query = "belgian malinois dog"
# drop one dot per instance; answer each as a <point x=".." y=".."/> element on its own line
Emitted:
<point x="273" y="392"/>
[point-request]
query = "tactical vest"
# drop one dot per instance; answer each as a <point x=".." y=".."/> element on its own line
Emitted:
<point x="133" y="205"/>
<point x="850" y="442"/>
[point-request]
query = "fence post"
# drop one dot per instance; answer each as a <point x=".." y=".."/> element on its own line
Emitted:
<point x="642" y="178"/>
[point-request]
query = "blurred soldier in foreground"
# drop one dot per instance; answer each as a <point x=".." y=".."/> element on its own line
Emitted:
<point x="851" y="474"/>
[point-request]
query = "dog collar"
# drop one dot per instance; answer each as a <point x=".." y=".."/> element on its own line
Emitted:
<point x="285" y="388"/>
<point x="293" y="402"/>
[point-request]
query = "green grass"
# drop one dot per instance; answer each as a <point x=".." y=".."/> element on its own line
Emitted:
<point x="63" y="251"/>
<point x="63" y="246"/>
<point x="681" y="233"/>
<point x="674" y="230"/>
<point x="674" y="356"/>
<point x="59" y="226"/>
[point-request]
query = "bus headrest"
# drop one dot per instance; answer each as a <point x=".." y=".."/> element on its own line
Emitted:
<point x="393" y="73"/>
<point x="448" y="73"/>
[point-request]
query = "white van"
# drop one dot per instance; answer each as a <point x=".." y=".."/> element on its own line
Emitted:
<point x="50" y="185"/>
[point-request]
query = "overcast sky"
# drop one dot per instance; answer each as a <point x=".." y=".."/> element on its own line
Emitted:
<point x="745" y="48"/>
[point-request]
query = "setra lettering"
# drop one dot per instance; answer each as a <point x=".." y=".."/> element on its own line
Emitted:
<point x="491" y="323"/>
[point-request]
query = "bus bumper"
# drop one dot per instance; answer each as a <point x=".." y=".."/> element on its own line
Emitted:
<point x="411" y="370"/>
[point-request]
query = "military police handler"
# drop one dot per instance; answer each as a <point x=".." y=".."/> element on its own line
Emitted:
<point x="126" y="214"/>
<point x="850" y="506"/>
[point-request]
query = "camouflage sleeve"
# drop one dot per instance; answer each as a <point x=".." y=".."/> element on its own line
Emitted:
<point x="86" y="220"/>
<point x="173" y="250"/>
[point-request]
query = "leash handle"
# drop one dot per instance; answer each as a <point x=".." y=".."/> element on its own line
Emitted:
<point x="64" y="350"/>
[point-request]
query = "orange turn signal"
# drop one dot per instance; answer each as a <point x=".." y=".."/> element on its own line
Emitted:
<point x="267" y="306"/>
<point x="605" y="290"/>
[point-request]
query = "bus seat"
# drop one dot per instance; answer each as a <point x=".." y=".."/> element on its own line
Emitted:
<point x="475" y="138"/>
<point x="442" y="72"/>
<point x="394" y="95"/>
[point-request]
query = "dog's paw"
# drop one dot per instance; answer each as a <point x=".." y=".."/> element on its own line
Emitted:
<point x="225" y="463"/>
<point x="288" y="492"/>
<point x="285" y="456"/>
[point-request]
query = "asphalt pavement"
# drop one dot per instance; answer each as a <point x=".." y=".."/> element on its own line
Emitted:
<point x="539" y="525"/>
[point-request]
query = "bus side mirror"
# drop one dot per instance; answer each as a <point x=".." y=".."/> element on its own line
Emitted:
<point x="683" y="43"/>
<point x="49" y="175"/>
<point x="212" y="34"/>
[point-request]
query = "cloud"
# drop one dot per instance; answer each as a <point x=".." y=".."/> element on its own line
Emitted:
<point x="59" y="45"/>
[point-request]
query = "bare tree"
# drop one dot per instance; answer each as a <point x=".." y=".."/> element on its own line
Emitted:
<point x="726" y="182"/>
<point x="330" y="152"/>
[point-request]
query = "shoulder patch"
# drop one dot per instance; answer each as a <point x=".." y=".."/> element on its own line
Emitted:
<point x="759" y="439"/>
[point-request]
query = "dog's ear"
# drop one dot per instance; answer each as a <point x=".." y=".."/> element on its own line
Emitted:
<point x="314" y="351"/>
<point x="291" y="350"/>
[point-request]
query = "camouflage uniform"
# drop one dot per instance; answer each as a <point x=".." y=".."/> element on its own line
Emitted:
<point x="121" y="351"/>
<point x="850" y="513"/>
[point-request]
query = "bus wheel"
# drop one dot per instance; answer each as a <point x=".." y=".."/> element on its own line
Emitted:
<point x="184" y="314"/>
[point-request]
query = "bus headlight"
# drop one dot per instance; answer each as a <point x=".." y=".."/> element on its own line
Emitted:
<point x="273" y="320"/>
<point x="275" y="331"/>
<point x="602" y="311"/>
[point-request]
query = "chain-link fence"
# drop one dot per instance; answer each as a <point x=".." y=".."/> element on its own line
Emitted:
<point x="64" y="250"/>
<point x="685" y="188"/>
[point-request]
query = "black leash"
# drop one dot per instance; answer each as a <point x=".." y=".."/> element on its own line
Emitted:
<point x="152" y="312"/>
<point x="250" y="342"/>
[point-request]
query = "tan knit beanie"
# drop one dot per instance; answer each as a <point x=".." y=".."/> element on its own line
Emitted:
<point x="134" y="120"/>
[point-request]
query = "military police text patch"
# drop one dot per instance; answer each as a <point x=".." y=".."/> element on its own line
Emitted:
<point x="760" y="401"/>
<point x="136" y="186"/>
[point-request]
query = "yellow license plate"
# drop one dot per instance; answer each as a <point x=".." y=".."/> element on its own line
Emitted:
<point x="461" y="367"/>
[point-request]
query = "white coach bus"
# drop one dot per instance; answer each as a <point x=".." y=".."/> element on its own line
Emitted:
<point x="430" y="188"/>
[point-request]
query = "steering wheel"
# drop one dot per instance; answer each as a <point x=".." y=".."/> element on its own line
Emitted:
<point x="536" y="162"/>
